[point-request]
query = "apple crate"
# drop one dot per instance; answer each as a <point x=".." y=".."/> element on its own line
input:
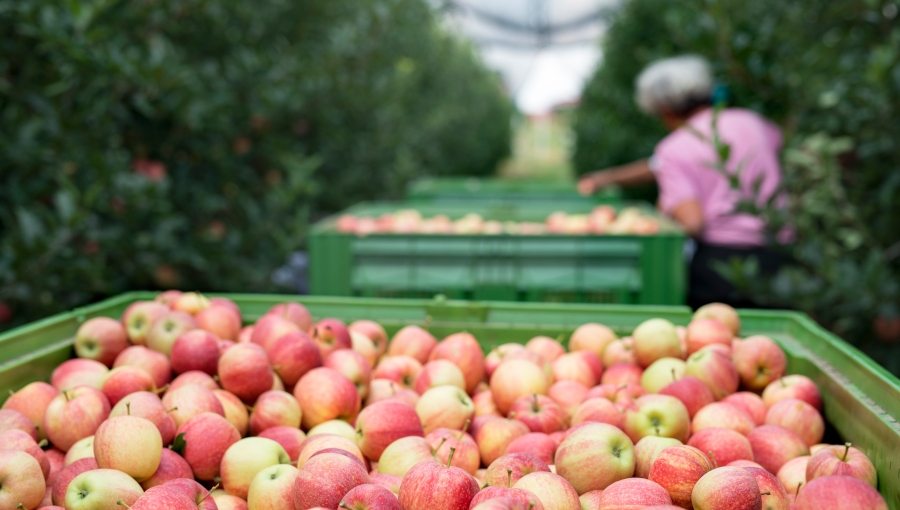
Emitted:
<point x="508" y="191"/>
<point x="861" y="399"/>
<point x="626" y="269"/>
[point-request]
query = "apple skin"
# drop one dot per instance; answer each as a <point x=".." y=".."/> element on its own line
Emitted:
<point x="325" y="394"/>
<point x="32" y="401"/>
<point x="221" y="321"/>
<point x="101" y="339"/>
<point x="234" y="410"/>
<point x="777" y="497"/>
<point x="439" y="372"/>
<point x="294" y="312"/>
<point x="633" y="494"/>
<point x="485" y="405"/>
<point x="568" y="395"/>
<point x="58" y="491"/>
<point x="167" y="329"/>
<point x="655" y="339"/>
<point x="715" y="370"/>
<point x="795" y="414"/>
<point x="838" y="493"/>
<point x="692" y="392"/>
<point x="82" y="449"/>
<point x="56" y="459"/>
<point x="338" y="427"/>
<point x="721" y="312"/>
<point x="706" y="331"/>
<point x="465" y="352"/>
<point x="139" y="317"/>
<point x="168" y="297"/>
<point x="14" y="420"/>
<point x="554" y="492"/>
<point x="101" y="489"/>
<point x="540" y="413"/>
<point x="793" y="386"/>
<point x="548" y="348"/>
<point x="244" y="459"/>
<point x="591" y="500"/>
<point x="722" y="415"/>
<point x="793" y="473"/>
<point x="289" y="438"/>
<point x="494" y="435"/>
<point x="272" y="488"/>
<point x="225" y="501"/>
<point x="374" y="331"/>
<point x="677" y="469"/>
<point x="147" y="405"/>
<point x="21" y="479"/>
<point x="466" y="455"/>
<point x="621" y="373"/>
<point x="619" y="351"/>
<point x="274" y="408"/>
<point x="759" y="361"/>
<point x="382" y="423"/>
<point x="322" y="442"/>
<point x="171" y="466"/>
<point x="841" y="461"/>
<point x="190" y="302"/>
<point x="402" y="370"/>
<point x="496" y="356"/>
<point x="661" y="373"/>
<point x="657" y="415"/>
<point x="364" y="345"/>
<point x="195" y="350"/>
<point x="325" y="479"/>
<point x="177" y="494"/>
<point x="751" y="403"/>
<point x="510" y="468"/>
<point x="331" y="335"/>
<point x="538" y="444"/>
<point x="514" y="379"/>
<point x="370" y="496"/>
<point x="22" y="441"/>
<point x="591" y="337"/>
<point x="207" y="437"/>
<point x="353" y="366"/>
<point x="403" y="454"/>
<point x="188" y="401"/>
<point x="723" y="445"/>
<point x="123" y="381"/>
<point x="647" y="450"/>
<point x="129" y="444"/>
<point x="727" y="488"/>
<point x="78" y="372"/>
<point x="517" y="496"/>
<point x="773" y="446"/>
<point x="594" y="456"/>
<point x="193" y="377"/>
<point x="292" y="355"/>
<point x="598" y="410"/>
<point x="412" y="341"/>
<point x="430" y="485"/>
<point x="75" y="414"/>
<point x="270" y="328"/>
<point x="574" y="367"/>
<point x="245" y="371"/>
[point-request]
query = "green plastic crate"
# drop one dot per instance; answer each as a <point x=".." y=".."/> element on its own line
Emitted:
<point x="861" y="399"/>
<point x="626" y="269"/>
<point x="506" y="191"/>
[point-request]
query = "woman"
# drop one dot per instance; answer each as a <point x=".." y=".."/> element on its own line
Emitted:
<point x="712" y="161"/>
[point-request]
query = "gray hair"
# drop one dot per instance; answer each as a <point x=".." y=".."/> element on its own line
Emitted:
<point x="676" y="85"/>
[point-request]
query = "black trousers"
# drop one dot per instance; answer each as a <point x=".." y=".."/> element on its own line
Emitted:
<point x="706" y="285"/>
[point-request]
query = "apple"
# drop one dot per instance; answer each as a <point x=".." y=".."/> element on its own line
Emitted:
<point x="190" y="302"/>
<point x="289" y="438"/>
<point x="331" y="335"/>
<point x="703" y="332"/>
<point x="843" y="461"/>
<point x="568" y="395"/>
<point x="370" y="496"/>
<point x="364" y="345"/>
<point x="621" y="373"/>
<point x="168" y="297"/>
<point x="548" y="348"/>
<point x="793" y="473"/>
<point x="430" y="485"/>
<point x="139" y="317"/>
<point x="82" y="449"/>
<point x="595" y="455"/>
<point x="727" y="488"/>
<point x="206" y="437"/>
<point x="294" y="312"/>
<point x="723" y="445"/>
<point x="591" y="500"/>
<point x="538" y="444"/>
<point x="677" y="469"/>
<point x="102" y="489"/>
<point x="751" y="403"/>
<point x="546" y="366"/>
<point x="78" y="372"/>
<point x="68" y="473"/>
<point x="774" y="445"/>
<point x="591" y="337"/>
<point x="795" y="414"/>
<point x="188" y="401"/>
<point x="485" y="405"/>
<point x="598" y="410"/>
<point x="655" y="339"/>
<point x="23" y="441"/>
<point x="75" y="414"/>
<point x="403" y="454"/>
<point x="759" y="361"/>
<point x="14" y="420"/>
<point x="274" y="408"/>
<point x="340" y="428"/>
<point x="715" y="370"/>
<point x="222" y="321"/>
<point x="234" y="410"/>
<point x="554" y="492"/>
<point x="498" y="354"/>
<point x="194" y="377"/>
<point x="514" y="379"/>
<point x="292" y="355"/>
<point x="692" y="392"/>
<point x="101" y="339"/>
<point x="439" y="372"/>
<point x="540" y="413"/>
<point x="196" y="350"/>
<point x="634" y="493"/>
<point x="838" y="493"/>
<point x="401" y="369"/>
<point x="495" y="434"/>
<point x="721" y="312"/>
<point x="21" y="480"/>
<point x="504" y="503"/>
<point x="147" y="405"/>
<point x="657" y="415"/>
<point x="661" y="373"/>
<point x="574" y="367"/>
<point x="171" y="467"/>
<point x="722" y="415"/>
<point x="167" y="329"/>
<point x="511" y="467"/>
<point x="56" y="459"/>
<point x="272" y="488"/>
<point x="225" y="501"/>
<point x="244" y="459"/>
<point x="508" y="496"/>
<point x="463" y="350"/>
<point x="31" y="401"/>
<point x="353" y="366"/>
<point x="177" y="494"/>
<point x="325" y="394"/>
<point x="647" y="450"/>
<point x="245" y="371"/>
<point x="123" y="381"/>
<point x="374" y="331"/>
<point x="466" y="455"/>
<point x="325" y="479"/>
<point x="129" y="444"/>
<point x="382" y="423"/>
<point x="792" y="386"/>
<point x="619" y="351"/>
<point x="444" y="406"/>
<point x="270" y="328"/>
<point x="412" y="341"/>
<point x="326" y="442"/>
<point x="774" y="495"/>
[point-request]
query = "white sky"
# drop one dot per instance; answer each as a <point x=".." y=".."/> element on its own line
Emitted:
<point x="538" y="77"/>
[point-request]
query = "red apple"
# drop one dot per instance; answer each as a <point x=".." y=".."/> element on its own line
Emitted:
<point x="774" y="495"/>
<point x="759" y="361"/>
<point x="147" y="405"/>
<point x="703" y="332"/>
<point x="331" y="335"/>
<point x="439" y="372"/>
<point x="548" y="348"/>
<point x="574" y="367"/>
<point x="154" y="363"/>
<point x="634" y="493"/>
<point x="430" y="485"/>
<point x="514" y="379"/>
<point x="101" y="339"/>
<point x="270" y="328"/>
<point x="290" y="438"/>
<point x="61" y="485"/>
<point x="773" y="446"/>
<point x="546" y="366"/>
<point x="538" y="444"/>
<point x="74" y="415"/>
<point x="129" y="444"/>
<point x="245" y="371"/>
<point x="389" y="482"/>
<point x="384" y="422"/>
<point x="496" y="356"/>
<point x="401" y="369"/>
<point x="168" y="297"/>
<point x="294" y="312"/>
<point x="139" y="317"/>
<point x="123" y="381"/>
<point x="78" y="372"/>
<point x="234" y="411"/>
<point x="292" y="355"/>
<point x="568" y="395"/>
<point x="222" y="321"/>
<point x="722" y="415"/>
<point x="508" y="469"/>
<point x="797" y="415"/>
<point x="838" y="493"/>
<point x="722" y="445"/>
<point x="723" y="313"/>
<point x="225" y="501"/>
<point x="171" y="467"/>
<point x="374" y="331"/>
<point x="370" y="496"/>
<point x="207" y="436"/>
<point x="595" y="455"/>
<point x="177" y="494"/>
<point x="466" y="455"/>
<point x="657" y="415"/>
<point x="495" y="435"/>
<point x="325" y="479"/>
<point x="14" y="420"/>
<point x="692" y="392"/>
<point x="463" y="350"/>
<point x="188" y="401"/>
<point x="792" y="474"/>
<point x="21" y="480"/>
<point x="23" y="441"/>
<point x="31" y="401"/>
<point x="647" y="450"/>
<point x="412" y="341"/>
<point x="56" y="458"/>
<point x="539" y="413"/>
<point x="194" y="377"/>
<point x="353" y="366"/>
<point x="554" y="492"/>
<point x="715" y="370"/>
<point x="591" y="337"/>
<point x="677" y="469"/>
<point x="727" y="488"/>
<point x="619" y="351"/>
<point x="274" y="408"/>
<point x="167" y="329"/>
<point x="622" y="373"/>
<point x="196" y="350"/>
<point x="313" y="445"/>
<point x="598" y="410"/>
<point x="325" y="394"/>
<point x="751" y="403"/>
<point x="364" y="345"/>
<point x="485" y="405"/>
<point x="792" y="386"/>
<point x="843" y="461"/>
<point x="489" y="497"/>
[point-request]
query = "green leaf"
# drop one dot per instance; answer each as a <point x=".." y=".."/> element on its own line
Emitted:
<point x="179" y="444"/>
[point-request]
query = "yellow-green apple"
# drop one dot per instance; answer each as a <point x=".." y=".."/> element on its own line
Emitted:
<point x="795" y="414"/>
<point x="540" y="413"/>
<point x="31" y="401"/>
<point x="439" y="372"/>
<point x="370" y="496"/>
<point x="337" y="427"/>
<point x="270" y="328"/>
<point x="722" y="415"/>
<point x="193" y="377"/>
<point x="322" y="442"/>
<point x="374" y="331"/>
<point x="633" y="493"/>
<point x="759" y="361"/>
<point x="274" y="408"/>
<point x="466" y="455"/>
<point x="751" y="403"/>
<point x="167" y="329"/>
<point x="595" y="455"/>
<point x="331" y="335"/>
<point x="225" y="501"/>
<point x="14" y="420"/>
<point x="430" y="485"/>
<point x="129" y="444"/>
<point x="82" y="449"/>
<point x="655" y="339"/>
<point x="554" y="492"/>
<point x="195" y="350"/>
<point x="539" y="444"/>
<point x="791" y="386"/>
<point x="190" y="302"/>
<point x="726" y="488"/>
<point x="139" y="317"/>
<point x="774" y="445"/>
<point x="621" y="373"/>
<point x="325" y="479"/>
<point x="147" y="405"/>
<point x="177" y="494"/>
<point x="444" y="406"/>
<point x="101" y="339"/>
<point x="171" y="466"/>
<point x="389" y="482"/>
<point x="294" y="312"/>
<point x="838" y="493"/>
<point x="325" y="394"/>
<point x="598" y="410"/>
<point x="245" y="371"/>
<point x="292" y="355"/>
<point x="619" y="351"/>
<point x="412" y="341"/>
<point x="691" y="392"/>
<point x="403" y="370"/>
<point x="774" y="495"/>
<point x="168" y="297"/>
<point x="715" y="370"/>
<point x="190" y="400"/>
<point x="244" y="459"/>
<point x="723" y="445"/>
<point x="661" y="373"/>
<point x="21" y="480"/>
<point x="843" y="461"/>
<point x="273" y="488"/>
<point x="493" y="359"/>
<point x="537" y="359"/>
<point x="647" y="450"/>
<point x="68" y="473"/>
<point x="384" y="422"/>
<point x="549" y="348"/>
<point x="591" y="337"/>
<point x="721" y="312"/>
<point x="706" y="331"/>
<point x="206" y="437"/>
<point x="78" y="372"/>
<point x="511" y="467"/>
<point x="123" y="381"/>
<point x="234" y="410"/>
<point x="574" y="367"/>
<point x="23" y="441"/>
<point x="463" y="350"/>
<point x="495" y="434"/>
<point x="75" y="414"/>
<point x="222" y="321"/>
<point x="514" y="379"/>
<point x="102" y="489"/>
<point x="657" y="415"/>
<point x="403" y="454"/>
<point x="568" y="395"/>
<point x="353" y="366"/>
<point x="793" y="473"/>
<point x="677" y="469"/>
<point x="289" y="438"/>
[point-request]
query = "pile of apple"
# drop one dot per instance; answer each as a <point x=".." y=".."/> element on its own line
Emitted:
<point x="179" y="406"/>
<point x="602" y="220"/>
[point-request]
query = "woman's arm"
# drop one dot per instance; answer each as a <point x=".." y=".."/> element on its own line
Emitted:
<point x="632" y="174"/>
<point x="689" y="215"/>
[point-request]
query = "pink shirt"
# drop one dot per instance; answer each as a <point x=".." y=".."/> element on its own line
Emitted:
<point x="685" y="168"/>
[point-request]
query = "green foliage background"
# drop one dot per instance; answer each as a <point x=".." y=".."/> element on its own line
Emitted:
<point x="264" y="114"/>
<point x="829" y="73"/>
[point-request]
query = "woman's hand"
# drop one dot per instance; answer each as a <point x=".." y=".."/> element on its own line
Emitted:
<point x="632" y="174"/>
<point x="589" y="183"/>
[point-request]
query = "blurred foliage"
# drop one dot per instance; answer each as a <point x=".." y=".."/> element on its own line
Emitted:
<point x="186" y="143"/>
<point x="829" y="73"/>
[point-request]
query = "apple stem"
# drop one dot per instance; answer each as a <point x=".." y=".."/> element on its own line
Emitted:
<point x="797" y="492"/>
<point x="43" y="443"/>
<point x="534" y="405"/>
<point x="122" y="503"/>
<point x="450" y="457"/>
<point x="21" y="506"/>
<point x="276" y="367"/>
<point x="343" y="505"/>
<point x="209" y="492"/>
<point x="781" y="380"/>
<point x="443" y="440"/>
<point x="530" y="505"/>
<point x="508" y="478"/>
<point x="846" y="451"/>
<point x="712" y="456"/>
<point x="767" y="493"/>
<point x="128" y="408"/>
<point x="161" y="390"/>
<point x="249" y="409"/>
<point x="66" y="394"/>
<point x="393" y="390"/>
<point x="674" y="378"/>
<point x="464" y="429"/>
<point x="173" y="409"/>
<point x="561" y="337"/>
<point x="512" y="415"/>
